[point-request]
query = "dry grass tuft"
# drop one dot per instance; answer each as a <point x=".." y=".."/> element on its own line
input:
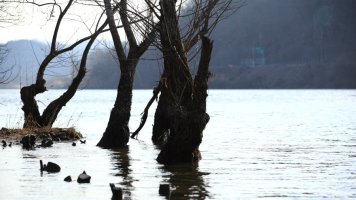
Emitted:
<point x="58" y="134"/>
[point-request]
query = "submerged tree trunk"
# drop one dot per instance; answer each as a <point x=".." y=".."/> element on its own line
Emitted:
<point x="183" y="100"/>
<point x="117" y="132"/>
<point x="188" y="122"/>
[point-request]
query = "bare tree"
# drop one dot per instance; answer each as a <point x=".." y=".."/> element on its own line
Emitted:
<point x="32" y="117"/>
<point x="195" y="19"/>
<point x="181" y="116"/>
<point x="185" y="111"/>
<point x="199" y="18"/>
<point x="117" y="132"/>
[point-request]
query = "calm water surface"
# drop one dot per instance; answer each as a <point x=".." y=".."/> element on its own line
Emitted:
<point x="259" y="144"/>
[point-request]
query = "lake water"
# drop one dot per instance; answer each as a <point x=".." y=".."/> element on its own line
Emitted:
<point x="259" y="144"/>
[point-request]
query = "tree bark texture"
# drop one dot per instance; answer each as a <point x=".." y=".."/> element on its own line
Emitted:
<point x="32" y="116"/>
<point x="162" y="120"/>
<point x="183" y="100"/>
<point x="117" y="132"/>
<point x="176" y="81"/>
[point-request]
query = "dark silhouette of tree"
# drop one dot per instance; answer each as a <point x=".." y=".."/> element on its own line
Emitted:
<point x="32" y="117"/>
<point x="181" y="116"/>
<point x="198" y="18"/>
<point x="196" y="26"/>
<point x="117" y="132"/>
<point x="181" y="112"/>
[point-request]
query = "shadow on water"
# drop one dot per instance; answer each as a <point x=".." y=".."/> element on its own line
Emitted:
<point x="120" y="159"/>
<point x="186" y="181"/>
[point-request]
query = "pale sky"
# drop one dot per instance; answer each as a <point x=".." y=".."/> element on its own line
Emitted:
<point x="34" y="24"/>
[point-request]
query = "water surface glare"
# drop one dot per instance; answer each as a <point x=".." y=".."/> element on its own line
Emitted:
<point x="259" y="144"/>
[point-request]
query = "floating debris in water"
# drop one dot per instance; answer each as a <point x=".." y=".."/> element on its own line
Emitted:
<point x="83" y="178"/>
<point x="50" y="167"/>
<point x="68" y="179"/>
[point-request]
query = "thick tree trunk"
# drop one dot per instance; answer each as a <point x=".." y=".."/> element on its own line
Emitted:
<point x="183" y="101"/>
<point x="176" y="82"/>
<point x="117" y="132"/>
<point x="32" y="116"/>
<point x="187" y="123"/>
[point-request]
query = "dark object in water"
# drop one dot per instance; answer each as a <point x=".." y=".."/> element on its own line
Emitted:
<point x="10" y="144"/>
<point x="28" y="142"/>
<point x="68" y="179"/>
<point x="164" y="190"/>
<point x="74" y="144"/>
<point x="4" y="143"/>
<point x="83" y="178"/>
<point x="83" y="141"/>
<point x="116" y="192"/>
<point x="46" y="143"/>
<point x="50" y="167"/>
<point x="41" y="166"/>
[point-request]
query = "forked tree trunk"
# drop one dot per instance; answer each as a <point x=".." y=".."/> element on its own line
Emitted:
<point x="117" y="132"/>
<point x="32" y="116"/>
<point x="187" y="125"/>
<point x="186" y="99"/>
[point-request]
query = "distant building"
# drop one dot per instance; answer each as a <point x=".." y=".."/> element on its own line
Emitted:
<point x="257" y="57"/>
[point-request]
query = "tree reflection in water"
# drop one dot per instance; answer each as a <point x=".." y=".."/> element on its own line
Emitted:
<point x="121" y="162"/>
<point x="187" y="181"/>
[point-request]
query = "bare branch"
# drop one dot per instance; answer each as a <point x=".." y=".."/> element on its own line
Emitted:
<point x="204" y="17"/>
<point x="114" y="33"/>
<point x="127" y="26"/>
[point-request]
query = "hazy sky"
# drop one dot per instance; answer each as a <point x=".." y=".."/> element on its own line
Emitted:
<point x="37" y="24"/>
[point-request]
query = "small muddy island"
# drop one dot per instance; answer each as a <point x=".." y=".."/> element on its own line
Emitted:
<point x="30" y="138"/>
